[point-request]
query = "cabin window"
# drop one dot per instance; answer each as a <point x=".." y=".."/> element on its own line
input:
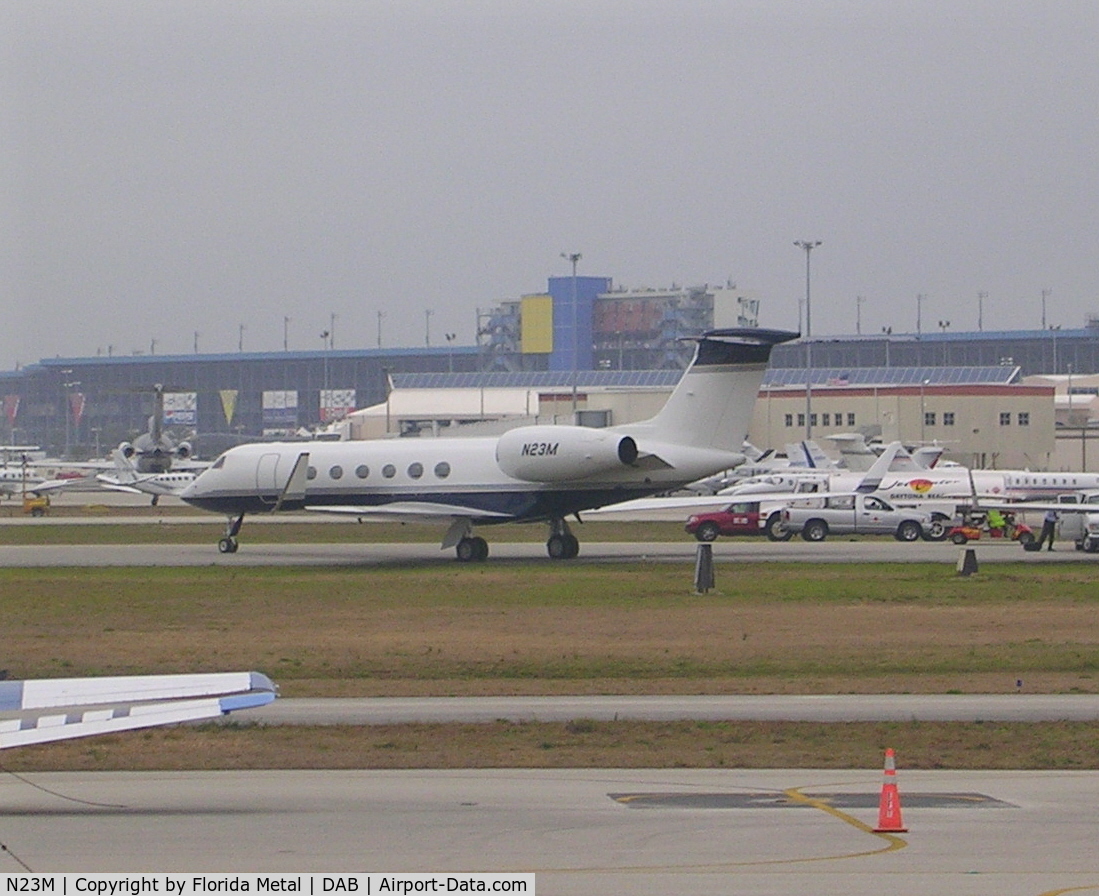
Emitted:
<point x="389" y="471"/>
<point x="311" y="473"/>
<point x="442" y="469"/>
<point x="362" y="471"/>
<point x="416" y="470"/>
<point x="336" y="472"/>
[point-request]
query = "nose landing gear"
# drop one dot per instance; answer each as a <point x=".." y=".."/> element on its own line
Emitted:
<point x="228" y="543"/>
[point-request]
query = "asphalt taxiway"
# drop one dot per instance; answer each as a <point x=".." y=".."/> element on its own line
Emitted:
<point x="665" y="708"/>
<point x="591" y="831"/>
<point x="368" y="554"/>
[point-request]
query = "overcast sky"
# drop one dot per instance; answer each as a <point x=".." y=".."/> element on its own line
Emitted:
<point x="178" y="166"/>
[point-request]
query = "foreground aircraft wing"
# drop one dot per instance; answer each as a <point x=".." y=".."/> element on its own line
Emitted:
<point x="695" y="503"/>
<point x="37" y="711"/>
<point x="674" y="502"/>
<point x="411" y="511"/>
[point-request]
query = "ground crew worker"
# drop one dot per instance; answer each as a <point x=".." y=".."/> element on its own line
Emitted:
<point x="1049" y="524"/>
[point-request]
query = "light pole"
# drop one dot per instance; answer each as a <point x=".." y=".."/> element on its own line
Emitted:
<point x="450" y="337"/>
<point x="981" y="296"/>
<point x="944" y="325"/>
<point x="923" y="409"/>
<point x="808" y="246"/>
<point x="68" y="386"/>
<point x="858" y="315"/>
<point x="325" y="335"/>
<point x="574" y="257"/>
<point x="240" y="338"/>
<point x="286" y="333"/>
<point x="427" y="326"/>
<point x="381" y="317"/>
<point x="332" y="330"/>
<point x="1045" y="295"/>
<point x="919" y="312"/>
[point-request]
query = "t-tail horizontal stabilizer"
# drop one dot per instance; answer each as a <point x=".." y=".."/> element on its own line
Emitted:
<point x="37" y="711"/>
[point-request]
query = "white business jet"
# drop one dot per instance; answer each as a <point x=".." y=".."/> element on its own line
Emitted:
<point x="126" y="478"/>
<point x="49" y="709"/>
<point x="531" y="473"/>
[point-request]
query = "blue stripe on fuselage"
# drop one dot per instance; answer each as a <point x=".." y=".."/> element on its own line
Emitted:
<point x="518" y="506"/>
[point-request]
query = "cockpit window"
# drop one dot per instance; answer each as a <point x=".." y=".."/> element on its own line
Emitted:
<point x="218" y="464"/>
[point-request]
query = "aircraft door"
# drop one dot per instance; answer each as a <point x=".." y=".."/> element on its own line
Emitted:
<point x="267" y="468"/>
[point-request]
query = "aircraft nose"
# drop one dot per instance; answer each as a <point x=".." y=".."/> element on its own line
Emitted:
<point x="191" y="490"/>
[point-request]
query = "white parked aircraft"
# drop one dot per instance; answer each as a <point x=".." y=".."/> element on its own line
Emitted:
<point x="940" y="484"/>
<point x="19" y="480"/>
<point x="531" y="473"/>
<point x="37" y="711"/>
<point x="801" y="457"/>
<point x="126" y="478"/>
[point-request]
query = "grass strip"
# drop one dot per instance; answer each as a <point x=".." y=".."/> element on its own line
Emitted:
<point x="577" y="744"/>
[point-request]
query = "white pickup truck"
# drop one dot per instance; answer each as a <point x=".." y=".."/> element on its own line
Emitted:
<point x="1081" y="528"/>
<point x="861" y="515"/>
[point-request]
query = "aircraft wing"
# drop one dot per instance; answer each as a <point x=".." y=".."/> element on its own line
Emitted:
<point x="37" y="711"/>
<point x="1035" y="506"/>
<point x="676" y="502"/>
<point x="118" y="487"/>
<point x="411" y="511"/>
<point x="712" y="502"/>
<point x="53" y="485"/>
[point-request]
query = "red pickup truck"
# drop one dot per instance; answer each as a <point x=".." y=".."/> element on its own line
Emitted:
<point x="740" y="518"/>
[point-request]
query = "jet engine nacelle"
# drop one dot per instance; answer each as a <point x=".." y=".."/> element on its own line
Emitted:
<point x="562" y="453"/>
<point x="184" y="450"/>
<point x="126" y="449"/>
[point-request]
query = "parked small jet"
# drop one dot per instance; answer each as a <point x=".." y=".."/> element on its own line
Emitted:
<point x="126" y="478"/>
<point x="531" y="473"/>
<point x="37" y="711"/>
<point x="939" y="484"/>
<point x="19" y="480"/>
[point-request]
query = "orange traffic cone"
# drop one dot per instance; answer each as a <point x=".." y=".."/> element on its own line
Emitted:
<point x="889" y="809"/>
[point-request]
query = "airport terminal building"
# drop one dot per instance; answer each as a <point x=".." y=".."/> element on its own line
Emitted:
<point x="574" y="339"/>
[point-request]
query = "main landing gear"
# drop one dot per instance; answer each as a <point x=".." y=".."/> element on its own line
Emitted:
<point x="562" y="544"/>
<point x="469" y="548"/>
<point x="229" y="544"/>
<point x="472" y="548"/>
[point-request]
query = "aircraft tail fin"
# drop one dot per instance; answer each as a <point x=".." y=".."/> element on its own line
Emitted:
<point x="711" y="407"/>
